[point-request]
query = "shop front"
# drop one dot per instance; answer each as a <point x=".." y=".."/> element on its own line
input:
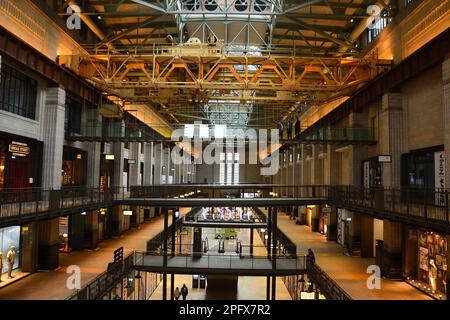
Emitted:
<point x="429" y="272"/>
<point x="16" y="252"/>
<point x="20" y="162"/>
<point x="74" y="170"/>
<point x="424" y="168"/>
<point x="106" y="171"/>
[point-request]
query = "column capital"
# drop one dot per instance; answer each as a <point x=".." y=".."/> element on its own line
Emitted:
<point x="55" y="96"/>
<point x="391" y="101"/>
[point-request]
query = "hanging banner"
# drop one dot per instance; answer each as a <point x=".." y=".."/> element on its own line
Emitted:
<point x="439" y="176"/>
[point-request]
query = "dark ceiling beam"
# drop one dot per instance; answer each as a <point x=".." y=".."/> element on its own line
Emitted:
<point x="129" y="30"/>
<point x="322" y="33"/>
<point x="158" y="24"/>
<point x="296" y="26"/>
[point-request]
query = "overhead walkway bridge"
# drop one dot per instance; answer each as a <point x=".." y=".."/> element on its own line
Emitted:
<point x="419" y="207"/>
<point x="140" y="132"/>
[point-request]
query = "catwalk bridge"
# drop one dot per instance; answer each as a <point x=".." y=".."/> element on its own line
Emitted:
<point x="419" y="207"/>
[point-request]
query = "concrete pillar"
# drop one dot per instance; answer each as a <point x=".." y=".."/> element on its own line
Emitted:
<point x="91" y="230"/>
<point x="93" y="119"/>
<point x="48" y="258"/>
<point x="392" y="258"/>
<point x="446" y="116"/>
<point x="331" y="164"/>
<point x="391" y="138"/>
<point x="134" y="154"/>
<point x="118" y="150"/>
<point x="332" y="224"/>
<point x="158" y="163"/>
<point x="367" y="237"/>
<point x="53" y="136"/>
<point x="148" y="177"/>
<point x="391" y="143"/>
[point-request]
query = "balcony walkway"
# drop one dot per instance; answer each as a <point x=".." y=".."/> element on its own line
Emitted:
<point x="51" y="285"/>
<point x="348" y="272"/>
<point x="220" y="264"/>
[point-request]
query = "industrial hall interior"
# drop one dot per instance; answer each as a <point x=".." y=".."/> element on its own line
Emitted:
<point x="224" y="150"/>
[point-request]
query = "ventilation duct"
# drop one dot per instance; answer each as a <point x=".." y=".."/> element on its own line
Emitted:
<point x="211" y="5"/>
<point x="260" y="5"/>
<point x="241" y="5"/>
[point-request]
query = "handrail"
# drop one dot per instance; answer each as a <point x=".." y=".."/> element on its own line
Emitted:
<point x="416" y="205"/>
<point x="327" y="286"/>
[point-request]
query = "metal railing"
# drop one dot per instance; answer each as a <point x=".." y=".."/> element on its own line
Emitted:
<point x="327" y="286"/>
<point x="197" y="260"/>
<point x="416" y="204"/>
<point x="411" y="203"/>
<point x="106" y="281"/>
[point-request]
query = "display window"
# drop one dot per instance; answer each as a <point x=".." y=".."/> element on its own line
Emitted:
<point x="10" y="248"/>
<point x="20" y="162"/>
<point x="432" y="250"/>
<point x="419" y="168"/>
<point x="64" y="234"/>
<point x="73" y="171"/>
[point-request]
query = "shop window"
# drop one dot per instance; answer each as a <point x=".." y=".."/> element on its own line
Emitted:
<point x="18" y="92"/>
<point x="432" y="255"/>
<point x="72" y="119"/>
<point x="74" y="167"/>
<point x="10" y="236"/>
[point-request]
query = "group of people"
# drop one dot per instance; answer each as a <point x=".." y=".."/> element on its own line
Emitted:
<point x="181" y="293"/>
<point x="290" y="125"/>
<point x="227" y="213"/>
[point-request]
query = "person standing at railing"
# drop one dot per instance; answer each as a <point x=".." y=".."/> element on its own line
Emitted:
<point x="289" y="128"/>
<point x="310" y="256"/>
<point x="280" y="128"/>
<point x="298" y="128"/>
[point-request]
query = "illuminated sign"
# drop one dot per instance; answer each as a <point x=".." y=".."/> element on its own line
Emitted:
<point x="385" y="159"/>
<point x="127" y="212"/>
<point x="19" y="149"/>
<point x="109" y="157"/>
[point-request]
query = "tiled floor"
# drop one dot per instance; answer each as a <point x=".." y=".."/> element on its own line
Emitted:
<point x="348" y="272"/>
<point x="52" y="284"/>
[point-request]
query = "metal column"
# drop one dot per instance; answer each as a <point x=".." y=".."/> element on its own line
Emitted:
<point x="166" y="235"/>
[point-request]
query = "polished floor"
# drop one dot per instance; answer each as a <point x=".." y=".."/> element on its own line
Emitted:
<point x="348" y="272"/>
<point x="51" y="285"/>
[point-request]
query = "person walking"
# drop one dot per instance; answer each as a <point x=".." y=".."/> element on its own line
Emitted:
<point x="298" y="129"/>
<point x="177" y="293"/>
<point x="184" y="291"/>
<point x="280" y="129"/>
<point x="289" y="128"/>
<point x="310" y="256"/>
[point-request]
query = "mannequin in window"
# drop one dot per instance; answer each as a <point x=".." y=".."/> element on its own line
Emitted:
<point x="11" y="257"/>
<point x="1" y="265"/>
<point x="433" y="275"/>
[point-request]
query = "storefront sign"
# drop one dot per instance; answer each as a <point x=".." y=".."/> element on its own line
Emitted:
<point x="326" y="210"/>
<point x="19" y="149"/>
<point x="385" y="159"/>
<point x="439" y="176"/>
<point x="307" y="295"/>
<point x="366" y="174"/>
